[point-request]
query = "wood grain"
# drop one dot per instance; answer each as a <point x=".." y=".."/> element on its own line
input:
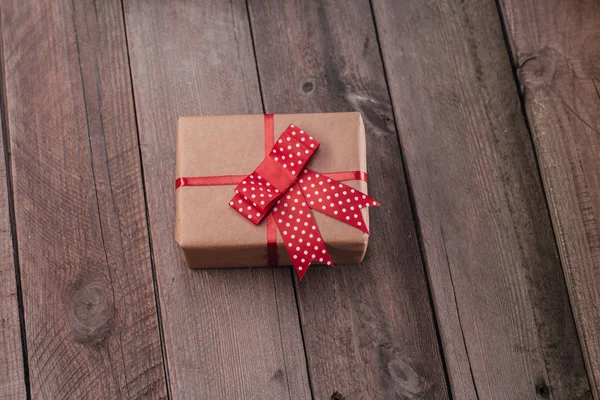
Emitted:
<point x="12" y="376"/>
<point x="556" y="48"/>
<point x="233" y="333"/>
<point x="368" y="329"/>
<point x="90" y="311"/>
<point x="500" y="298"/>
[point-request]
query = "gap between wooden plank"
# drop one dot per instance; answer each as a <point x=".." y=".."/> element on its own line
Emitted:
<point x="413" y="206"/>
<point x="522" y="101"/>
<point x="465" y="391"/>
<point x="452" y="51"/>
<point x="554" y="48"/>
<point x="291" y="271"/>
<point x="89" y="309"/>
<point x="228" y="333"/>
<point x="151" y="247"/>
<point x="22" y="371"/>
<point x="297" y="46"/>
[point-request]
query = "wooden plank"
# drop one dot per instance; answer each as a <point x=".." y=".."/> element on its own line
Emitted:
<point x="234" y="333"/>
<point x="368" y="329"/>
<point x="12" y="376"/>
<point x="500" y="297"/>
<point x="90" y="311"/>
<point x="556" y="45"/>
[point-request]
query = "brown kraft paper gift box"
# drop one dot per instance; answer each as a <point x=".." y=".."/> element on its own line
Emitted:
<point x="210" y="233"/>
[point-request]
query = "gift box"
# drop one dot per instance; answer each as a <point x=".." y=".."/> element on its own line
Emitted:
<point x="215" y="154"/>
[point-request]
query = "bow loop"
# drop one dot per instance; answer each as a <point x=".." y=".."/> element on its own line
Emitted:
<point x="293" y="149"/>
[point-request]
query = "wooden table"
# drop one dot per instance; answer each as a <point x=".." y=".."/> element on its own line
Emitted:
<point x="482" y="279"/>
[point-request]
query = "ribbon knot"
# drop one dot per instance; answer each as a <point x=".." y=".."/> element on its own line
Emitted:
<point x="283" y="187"/>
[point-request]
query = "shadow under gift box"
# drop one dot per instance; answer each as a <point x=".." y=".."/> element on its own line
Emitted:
<point x="213" y="235"/>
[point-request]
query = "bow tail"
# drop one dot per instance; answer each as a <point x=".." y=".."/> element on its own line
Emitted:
<point x="335" y="199"/>
<point x="299" y="231"/>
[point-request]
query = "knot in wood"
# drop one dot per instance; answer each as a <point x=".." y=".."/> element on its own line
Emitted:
<point x="403" y="378"/>
<point x="542" y="390"/>
<point x="308" y="87"/>
<point x="377" y="114"/>
<point x="537" y="71"/>
<point x="337" y="396"/>
<point x="92" y="312"/>
<point x="278" y="376"/>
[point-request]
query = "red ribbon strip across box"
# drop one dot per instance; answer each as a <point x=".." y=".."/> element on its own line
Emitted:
<point x="282" y="190"/>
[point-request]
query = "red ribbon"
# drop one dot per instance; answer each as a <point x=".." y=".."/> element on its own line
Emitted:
<point x="283" y="191"/>
<point x="272" y="257"/>
<point x="281" y="188"/>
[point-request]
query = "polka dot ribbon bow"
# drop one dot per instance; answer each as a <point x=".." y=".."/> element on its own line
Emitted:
<point x="282" y="186"/>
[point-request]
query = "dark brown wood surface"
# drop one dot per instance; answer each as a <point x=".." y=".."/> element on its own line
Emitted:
<point x="556" y="48"/>
<point x="462" y="293"/>
<point x="230" y="334"/>
<point x="12" y="376"/>
<point x="90" y="312"/>
<point x="498" y="289"/>
<point x="368" y="329"/>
